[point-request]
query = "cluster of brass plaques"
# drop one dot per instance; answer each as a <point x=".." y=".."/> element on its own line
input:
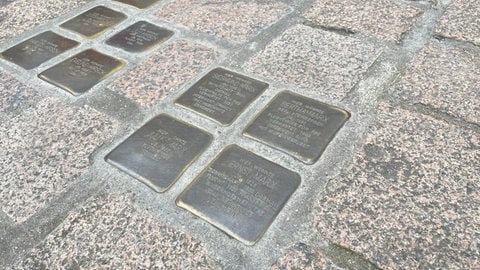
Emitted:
<point x="139" y="3"/>
<point x="222" y="95"/>
<point x="82" y="71"/>
<point x="94" y="22"/>
<point x="159" y="152"/>
<point x="240" y="193"/>
<point x="38" y="49"/>
<point x="140" y="37"/>
<point x="299" y="126"/>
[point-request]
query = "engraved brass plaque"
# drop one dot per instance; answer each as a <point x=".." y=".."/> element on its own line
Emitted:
<point x="141" y="4"/>
<point x="140" y="37"/>
<point x="222" y="95"/>
<point x="36" y="50"/>
<point x="94" y="22"/>
<point x="299" y="126"/>
<point x="82" y="71"/>
<point x="159" y="152"/>
<point x="240" y="193"/>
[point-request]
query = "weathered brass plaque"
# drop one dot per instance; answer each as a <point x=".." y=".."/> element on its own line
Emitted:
<point x="299" y="126"/>
<point x="140" y="37"/>
<point x="82" y="71"/>
<point x="222" y="95"/>
<point x="36" y="50"/>
<point x="94" y="22"/>
<point x="159" y="152"/>
<point x="139" y="3"/>
<point x="240" y="193"/>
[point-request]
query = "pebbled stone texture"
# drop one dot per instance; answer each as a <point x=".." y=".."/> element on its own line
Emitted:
<point x="22" y="15"/>
<point x="164" y="72"/>
<point x="412" y="198"/>
<point x="461" y="21"/>
<point x="43" y="150"/>
<point x="385" y="19"/>
<point x="304" y="257"/>
<point x="445" y="78"/>
<point x="316" y="60"/>
<point x="114" y="233"/>
<point x="13" y="93"/>
<point x="237" y="21"/>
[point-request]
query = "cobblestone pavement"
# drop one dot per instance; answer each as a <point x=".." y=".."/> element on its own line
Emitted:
<point x="386" y="92"/>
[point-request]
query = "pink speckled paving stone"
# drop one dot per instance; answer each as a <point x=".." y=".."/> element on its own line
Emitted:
<point x="461" y="21"/>
<point x="316" y="60"/>
<point x="304" y="257"/>
<point x="13" y="93"/>
<point x="237" y="21"/>
<point x="43" y="150"/>
<point x="113" y="232"/>
<point x="411" y="199"/>
<point x="164" y="72"/>
<point x="384" y="19"/>
<point x="446" y="78"/>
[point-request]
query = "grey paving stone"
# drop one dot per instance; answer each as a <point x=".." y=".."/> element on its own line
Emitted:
<point x="411" y="199"/>
<point x="114" y="233"/>
<point x="43" y="150"/>
<point x="445" y="78"/>
<point x="237" y="21"/>
<point x="13" y="93"/>
<point x="304" y="257"/>
<point x="316" y="60"/>
<point x="461" y="21"/>
<point x="384" y="19"/>
<point x="163" y="73"/>
<point x="22" y="15"/>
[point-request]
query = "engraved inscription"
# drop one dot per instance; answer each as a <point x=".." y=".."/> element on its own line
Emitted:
<point x="139" y="37"/>
<point x="240" y="193"/>
<point x="162" y="145"/>
<point x="84" y="67"/>
<point x="222" y="95"/>
<point x="297" y="125"/>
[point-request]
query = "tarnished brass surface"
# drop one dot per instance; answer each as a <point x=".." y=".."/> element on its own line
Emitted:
<point x="140" y="37"/>
<point x="82" y="71"/>
<point x="94" y="22"/>
<point x="159" y="152"/>
<point x="240" y="193"/>
<point x="222" y="95"/>
<point x="299" y="126"/>
<point x="139" y="3"/>
<point x="36" y="50"/>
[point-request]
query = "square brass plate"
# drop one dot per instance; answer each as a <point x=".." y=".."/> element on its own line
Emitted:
<point x="139" y="37"/>
<point x="139" y="3"/>
<point x="82" y="71"/>
<point x="299" y="126"/>
<point x="159" y="152"/>
<point x="94" y="22"/>
<point x="221" y="95"/>
<point x="38" y="49"/>
<point x="240" y="193"/>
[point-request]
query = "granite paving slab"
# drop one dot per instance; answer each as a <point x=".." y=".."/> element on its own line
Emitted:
<point x="304" y="257"/>
<point x="446" y="78"/>
<point x="13" y="93"/>
<point x="385" y="19"/>
<point x="164" y="72"/>
<point x="22" y="15"/>
<point x="43" y="150"/>
<point x="114" y="233"/>
<point x="461" y="21"/>
<point x="411" y="198"/>
<point x="237" y="21"/>
<point x="316" y="60"/>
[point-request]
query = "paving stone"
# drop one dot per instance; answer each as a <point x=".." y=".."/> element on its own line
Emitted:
<point x="176" y="8"/>
<point x="411" y="199"/>
<point x="163" y="73"/>
<point x="303" y="257"/>
<point x="238" y="21"/>
<point x="114" y="233"/>
<point x="316" y="60"/>
<point x="43" y="150"/>
<point x="384" y="19"/>
<point x="445" y="78"/>
<point x="461" y="21"/>
<point x="22" y="15"/>
<point x="13" y="93"/>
